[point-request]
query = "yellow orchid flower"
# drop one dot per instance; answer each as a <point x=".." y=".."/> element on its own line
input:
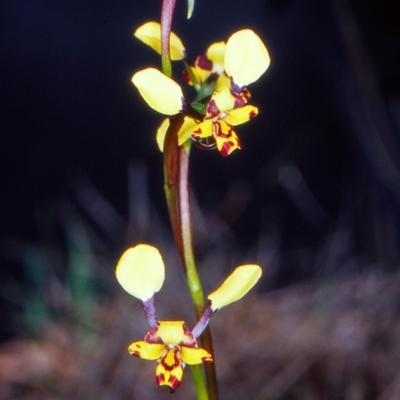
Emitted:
<point x="224" y="111"/>
<point x="140" y="271"/>
<point x="150" y="34"/>
<point x="174" y="346"/>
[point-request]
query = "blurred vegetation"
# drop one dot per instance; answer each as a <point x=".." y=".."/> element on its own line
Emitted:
<point x="316" y="202"/>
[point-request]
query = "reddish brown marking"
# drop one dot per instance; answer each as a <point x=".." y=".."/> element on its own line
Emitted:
<point x="166" y="360"/>
<point x="204" y="63"/>
<point x="212" y="109"/>
<point x="218" y="131"/>
<point x="136" y="353"/>
<point x="152" y="336"/>
<point x="240" y="100"/>
<point x="160" y="378"/>
<point x="174" y="381"/>
<point x="225" y="148"/>
<point x="185" y="76"/>
<point x="253" y="114"/>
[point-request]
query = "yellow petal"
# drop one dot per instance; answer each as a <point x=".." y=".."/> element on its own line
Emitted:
<point x="246" y="57"/>
<point x="147" y="351"/>
<point x="174" y="333"/>
<point x="216" y="54"/>
<point x="221" y="101"/>
<point x="223" y="82"/>
<point x="241" y="115"/>
<point x="238" y="283"/>
<point x="192" y="356"/>
<point x="150" y="34"/>
<point x="203" y="130"/>
<point x="169" y="370"/>
<point x="160" y="92"/>
<point x="225" y="138"/>
<point x="183" y="135"/>
<point x="140" y="271"/>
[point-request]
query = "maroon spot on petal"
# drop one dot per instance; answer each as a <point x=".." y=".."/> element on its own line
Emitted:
<point x="204" y="63"/>
<point x="170" y="362"/>
<point x="136" y="353"/>
<point x="159" y="379"/>
<point x="212" y="109"/>
<point x="195" y="134"/>
<point x="225" y="148"/>
<point x="219" y="132"/>
<point x="240" y="100"/>
<point x="185" y="76"/>
<point x="174" y="381"/>
<point x="207" y="359"/>
<point x="253" y="114"/>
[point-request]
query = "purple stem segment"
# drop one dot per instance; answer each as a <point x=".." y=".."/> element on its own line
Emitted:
<point x="150" y="311"/>
<point x="203" y="321"/>
<point x="167" y="12"/>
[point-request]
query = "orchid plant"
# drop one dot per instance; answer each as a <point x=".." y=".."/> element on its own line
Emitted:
<point x="220" y="79"/>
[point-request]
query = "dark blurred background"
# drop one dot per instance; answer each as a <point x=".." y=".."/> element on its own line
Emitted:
<point x="316" y="186"/>
<point x="313" y="196"/>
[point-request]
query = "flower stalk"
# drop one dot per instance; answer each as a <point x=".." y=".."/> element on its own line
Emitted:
<point x="176" y="174"/>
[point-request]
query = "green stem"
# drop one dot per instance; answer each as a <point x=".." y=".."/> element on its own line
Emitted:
<point x="194" y="283"/>
<point x="199" y="384"/>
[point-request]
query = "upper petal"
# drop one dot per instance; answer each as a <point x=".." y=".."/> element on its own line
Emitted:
<point x="246" y="57"/>
<point x="140" y="271"/>
<point x="192" y="356"/>
<point x="238" y="283"/>
<point x="150" y="34"/>
<point x="147" y="351"/>
<point x="160" y="92"/>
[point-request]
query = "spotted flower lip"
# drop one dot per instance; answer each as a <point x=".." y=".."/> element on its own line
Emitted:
<point x="140" y="271"/>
